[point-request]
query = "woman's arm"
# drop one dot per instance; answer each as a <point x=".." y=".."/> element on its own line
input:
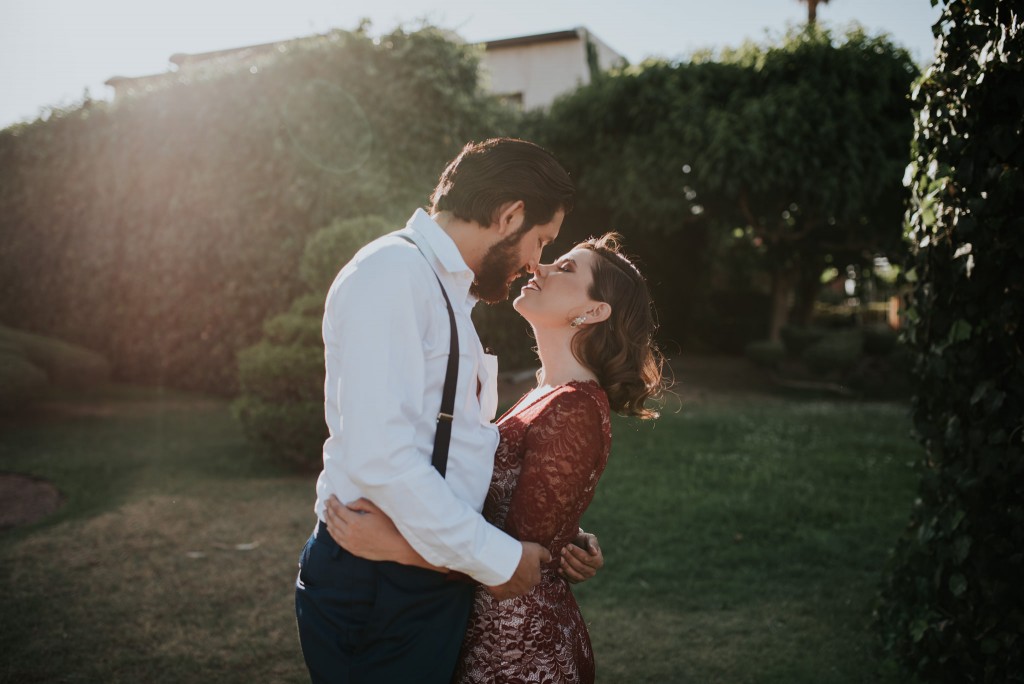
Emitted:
<point x="364" y="530"/>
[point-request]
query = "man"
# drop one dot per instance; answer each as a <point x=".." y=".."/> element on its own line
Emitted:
<point x="386" y="335"/>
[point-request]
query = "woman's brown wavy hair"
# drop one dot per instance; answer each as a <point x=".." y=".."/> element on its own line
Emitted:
<point x="621" y="350"/>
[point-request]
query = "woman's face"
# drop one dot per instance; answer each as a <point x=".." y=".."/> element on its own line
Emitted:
<point x="558" y="292"/>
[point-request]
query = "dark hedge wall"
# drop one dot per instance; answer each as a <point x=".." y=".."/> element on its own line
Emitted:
<point x="953" y="601"/>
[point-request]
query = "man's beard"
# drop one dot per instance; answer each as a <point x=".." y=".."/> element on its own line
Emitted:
<point x="499" y="265"/>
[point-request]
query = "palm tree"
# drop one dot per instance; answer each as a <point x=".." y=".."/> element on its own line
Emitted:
<point x="812" y="10"/>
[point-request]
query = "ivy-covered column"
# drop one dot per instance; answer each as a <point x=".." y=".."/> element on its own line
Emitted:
<point x="953" y="601"/>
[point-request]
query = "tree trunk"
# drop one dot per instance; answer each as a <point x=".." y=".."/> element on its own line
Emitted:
<point x="783" y="281"/>
<point x="808" y="284"/>
<point x="812" y="12"/>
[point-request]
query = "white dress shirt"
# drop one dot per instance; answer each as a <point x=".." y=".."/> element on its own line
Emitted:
<point x="386" y="339"/>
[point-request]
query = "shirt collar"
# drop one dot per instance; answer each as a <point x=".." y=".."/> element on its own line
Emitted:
<point x="426" y="232"/>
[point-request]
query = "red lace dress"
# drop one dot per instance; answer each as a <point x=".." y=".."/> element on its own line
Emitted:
<point x="551" y="454"/>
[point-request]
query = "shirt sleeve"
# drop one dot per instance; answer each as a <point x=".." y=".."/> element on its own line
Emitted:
<point x="566" y="451"/>
<point x="375" y="323"/>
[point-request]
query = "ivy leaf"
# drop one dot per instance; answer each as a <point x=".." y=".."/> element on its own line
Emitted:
<point x="918" y="629"/>
<point x="959" y="332"/>
<point x="957" y="584"/>
<point x="961" y="547"/>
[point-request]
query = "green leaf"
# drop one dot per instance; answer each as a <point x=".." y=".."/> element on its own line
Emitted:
<point x="918" y="628"/>
<point x="990" y="646"/>
<point x="957" y="584"/>
<point x="961" y="547"/>
<point x="959" y="332"/>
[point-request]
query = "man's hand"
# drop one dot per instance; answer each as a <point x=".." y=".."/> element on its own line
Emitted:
<point x="582" y="558"/>
<point x="527" y="574"/>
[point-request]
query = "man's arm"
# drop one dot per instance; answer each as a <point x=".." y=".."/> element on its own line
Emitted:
<point x="374" y="327"/>
<point x="581" y="558"/>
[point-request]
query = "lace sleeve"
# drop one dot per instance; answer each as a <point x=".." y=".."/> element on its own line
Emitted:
<point x="566" y="451"/>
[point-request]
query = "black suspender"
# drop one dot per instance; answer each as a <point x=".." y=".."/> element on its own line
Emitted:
<point x="443" y="436"/>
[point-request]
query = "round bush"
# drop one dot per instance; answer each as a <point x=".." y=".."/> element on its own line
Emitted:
<point x="294" y="430"/>
<point x="766" y="353"/>
<point x="292" y="329"/>
<point x="879" y="339"/>
<point x="798" y="338"/>
<point x="20" y="381"/>
<point x="836" y="351"/>
<point x="333" y="246"/>
<point x="66" y="365"/>
<point x="282" y="374"/>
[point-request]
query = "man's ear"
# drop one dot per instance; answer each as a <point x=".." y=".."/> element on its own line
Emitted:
<point x="599" y="313"/>
<point x="511" y="216"/>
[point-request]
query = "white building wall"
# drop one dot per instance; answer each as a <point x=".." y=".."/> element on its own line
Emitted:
<point x="539" y="72"/>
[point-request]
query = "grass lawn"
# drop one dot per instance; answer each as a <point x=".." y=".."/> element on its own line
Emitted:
<point x="744" y="539"/>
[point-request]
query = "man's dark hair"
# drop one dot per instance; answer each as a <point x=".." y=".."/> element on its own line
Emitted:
<point x="488" y="174"/>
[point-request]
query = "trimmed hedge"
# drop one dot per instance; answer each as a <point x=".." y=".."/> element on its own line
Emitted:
<point x="163" y="229"/>
<point x="20" y="380"/>
<point x="282" y="376"/>
<point x="30" y="364"/>
<point x="66" y="365"/>
<point x="766" y="353"/>
<point x="330" y="247"/>
<point x="835" y="352"/>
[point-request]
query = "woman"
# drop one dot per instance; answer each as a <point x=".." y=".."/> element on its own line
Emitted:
<point x="592" y="318"/>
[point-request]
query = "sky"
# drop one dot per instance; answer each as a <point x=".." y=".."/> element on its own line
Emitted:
<point x="52" y="51"/>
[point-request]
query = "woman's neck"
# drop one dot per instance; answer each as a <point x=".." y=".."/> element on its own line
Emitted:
<point x="557" y="363"/>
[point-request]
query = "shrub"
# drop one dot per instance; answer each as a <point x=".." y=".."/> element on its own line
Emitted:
<point x="834" y="352"/>
<point x="20" y="381"/>
<point x="332" y="246"/>
<point x="798" y="338"/>
<point x="293" y="329"/>
<point x="65" y="365"/>
<point x="733" y="320"/>
<point x="766" y="353"/>
<point x="282" y="373"/>
<point x="295" y="431"/>
<point x="282" y="376"/>
<point x="880" y="339"/>
<point x="952" y="606"/>
<point x="881" y="377"/>
<point x="163" y="229"/>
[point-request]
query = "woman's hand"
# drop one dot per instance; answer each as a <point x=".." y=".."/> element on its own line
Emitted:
<point x="364" y="530"/>
<point x="582" y="558"/>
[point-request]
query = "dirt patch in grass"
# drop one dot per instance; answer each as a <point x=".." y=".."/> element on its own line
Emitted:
<point x="25" y="500"/>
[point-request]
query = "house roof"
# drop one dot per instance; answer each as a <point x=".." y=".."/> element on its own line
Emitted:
<point x="181" y="59"/>
<point x="519" y="41"/>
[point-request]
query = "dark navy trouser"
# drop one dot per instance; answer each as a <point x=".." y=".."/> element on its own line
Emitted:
<point x="376" y="622"/>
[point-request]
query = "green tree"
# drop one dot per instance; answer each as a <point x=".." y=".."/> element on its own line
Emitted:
<point x="953" y="601"/>
<point x="162" y="229"/>
<point x="802" y="143"/>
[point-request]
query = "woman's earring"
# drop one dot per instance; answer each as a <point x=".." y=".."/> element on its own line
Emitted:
<point x="576" y="322"/>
